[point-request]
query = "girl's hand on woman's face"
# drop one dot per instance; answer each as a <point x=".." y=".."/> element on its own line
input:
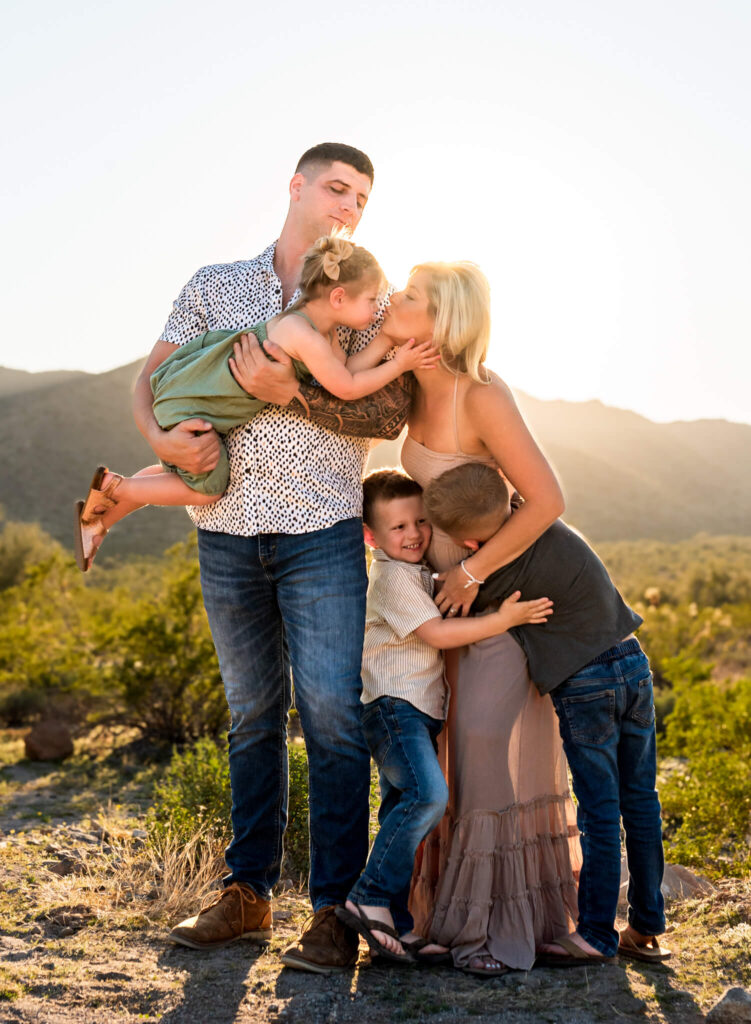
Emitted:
<point x="414" y="355"/>
<point x="454" y="598"/>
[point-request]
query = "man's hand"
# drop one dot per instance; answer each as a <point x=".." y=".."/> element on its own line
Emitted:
<point x="193" y="445"/>
<point x="270" y="380"/>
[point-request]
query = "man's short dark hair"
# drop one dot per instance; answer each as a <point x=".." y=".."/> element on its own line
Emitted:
<point x="385" y="485"/>
<point x="326" y="153"/>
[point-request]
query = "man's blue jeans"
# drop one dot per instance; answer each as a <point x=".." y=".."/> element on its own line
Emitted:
<point x="285" y="606"/>
<point x="607" y="721"/>
<point x="414" y="794"/>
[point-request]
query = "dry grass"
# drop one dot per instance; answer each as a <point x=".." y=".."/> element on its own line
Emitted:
<point x="90" y="945"/>
<point x="123" y="875"/>
<point x="184" y="872"/>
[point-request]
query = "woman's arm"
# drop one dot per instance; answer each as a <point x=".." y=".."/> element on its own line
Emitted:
<point x="496" y="420"/>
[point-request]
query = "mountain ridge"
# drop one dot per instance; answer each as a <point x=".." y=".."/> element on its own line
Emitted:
<point x="624" y="476"/>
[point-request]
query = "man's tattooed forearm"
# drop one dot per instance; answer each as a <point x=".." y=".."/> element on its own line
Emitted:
<point x="382" y="414"/>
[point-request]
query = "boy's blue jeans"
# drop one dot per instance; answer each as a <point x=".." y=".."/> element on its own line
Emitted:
<point x="414" y="795"/>
<point x="606" y="714"/>
<point x="283" y="605"/>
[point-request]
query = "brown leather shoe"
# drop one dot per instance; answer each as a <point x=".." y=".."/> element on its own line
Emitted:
<point x="234" y="913"/>
<point x="325" y="945"/>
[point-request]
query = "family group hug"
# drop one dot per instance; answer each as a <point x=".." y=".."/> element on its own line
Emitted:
<point x="486" y="640"/>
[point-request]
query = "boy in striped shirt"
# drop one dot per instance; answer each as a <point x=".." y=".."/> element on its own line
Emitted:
<point x="404" y="705"/>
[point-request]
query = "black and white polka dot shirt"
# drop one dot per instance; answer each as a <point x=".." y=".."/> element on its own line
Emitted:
<point x="287" y="475"/>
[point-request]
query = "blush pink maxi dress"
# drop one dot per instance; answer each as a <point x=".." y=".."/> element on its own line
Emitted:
<point x="498" y="875"/>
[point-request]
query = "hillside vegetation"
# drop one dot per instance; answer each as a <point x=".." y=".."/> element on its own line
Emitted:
<point x="625" y="477"/>
<point x="102" y="854"/>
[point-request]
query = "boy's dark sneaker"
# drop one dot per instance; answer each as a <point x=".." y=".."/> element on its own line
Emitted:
<point x="325" y="945"/>
<point x="237" y="912"/>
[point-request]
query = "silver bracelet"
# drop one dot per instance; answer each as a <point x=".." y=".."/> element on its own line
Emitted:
<point x="468" y="574"/>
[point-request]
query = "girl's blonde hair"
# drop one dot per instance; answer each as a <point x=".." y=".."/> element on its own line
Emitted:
<point x="333" y="260"/>
<point x="459" y="299"/>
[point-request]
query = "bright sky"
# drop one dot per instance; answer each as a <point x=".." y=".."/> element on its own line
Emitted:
<point x="593" y="156"/>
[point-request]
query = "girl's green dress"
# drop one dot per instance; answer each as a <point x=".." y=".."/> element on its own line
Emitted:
<point x="195" y="381"/>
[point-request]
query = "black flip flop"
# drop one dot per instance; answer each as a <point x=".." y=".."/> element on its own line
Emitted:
<point x="364" y="926"/>
<point x="574" y="956"/>
<point x="427" y="959"/>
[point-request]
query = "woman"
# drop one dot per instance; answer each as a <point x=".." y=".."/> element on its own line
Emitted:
<point x="496" y="879"/>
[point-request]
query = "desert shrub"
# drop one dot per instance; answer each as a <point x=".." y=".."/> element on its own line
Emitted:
<point x="46" y="658"/>
<point x="297" y="836"/>
<point x="664" y="704"/>
<point x="707" y="804"/>
<point x="193" y="796"/>
<point x="194" y="799"/>
<point x="715" y="585"/>
<point x="161" y="659"/>
<point x="22" y="545"/>
<point x="22" y="705"/>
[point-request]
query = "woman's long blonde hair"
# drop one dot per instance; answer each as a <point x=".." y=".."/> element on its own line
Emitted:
<point x="459" y="299"/>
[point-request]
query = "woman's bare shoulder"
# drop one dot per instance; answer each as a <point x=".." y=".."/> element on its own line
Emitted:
<point x="495" y="394"/>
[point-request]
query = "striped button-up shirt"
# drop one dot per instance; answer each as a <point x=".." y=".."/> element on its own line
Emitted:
<point x="396" y="662"/>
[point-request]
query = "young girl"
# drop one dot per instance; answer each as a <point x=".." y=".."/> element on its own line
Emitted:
<point x="341" y="285"/>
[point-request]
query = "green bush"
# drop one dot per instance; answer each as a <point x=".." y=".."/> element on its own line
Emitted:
<point x="22" y="706"/>
<point x="22" y="545"/>
<point x="161" y="659"/>
<point x="46" y="657"/>
<point x="194" y="796"/>
<point x="297" y="836"/>
<point x="707" y="803"/>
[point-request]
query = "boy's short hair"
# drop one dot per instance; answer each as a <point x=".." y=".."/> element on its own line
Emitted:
<point x="385" y="485"/>
<point x="327" y="153"/>
<point x="463" y="495"/>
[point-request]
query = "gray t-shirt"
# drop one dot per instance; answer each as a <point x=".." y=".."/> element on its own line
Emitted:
<point x="589" y="615"/>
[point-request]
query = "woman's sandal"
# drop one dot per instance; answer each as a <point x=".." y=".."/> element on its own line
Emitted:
<point x="495" y="971"/>
<point x="89" y="531"/>
<point x="364" y="926"/>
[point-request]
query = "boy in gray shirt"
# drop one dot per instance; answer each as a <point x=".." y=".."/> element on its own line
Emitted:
<point x="599" y="680"/>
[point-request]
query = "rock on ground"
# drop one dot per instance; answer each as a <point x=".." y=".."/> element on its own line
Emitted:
<point x="677" y="883"/>
<point x="733" y="1007"/>
<point x="49" y="741"/>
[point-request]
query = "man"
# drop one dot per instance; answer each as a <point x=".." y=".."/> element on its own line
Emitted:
<point x="283" y="574"/>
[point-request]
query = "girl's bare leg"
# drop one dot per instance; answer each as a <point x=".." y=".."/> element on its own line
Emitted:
<point x="118" y="496"/>
<point x="150" y="486"/>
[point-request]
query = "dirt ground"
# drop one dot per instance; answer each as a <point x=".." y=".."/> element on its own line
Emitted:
<point x="84" y="920"/>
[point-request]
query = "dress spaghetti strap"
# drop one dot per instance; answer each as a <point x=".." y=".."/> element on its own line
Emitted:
<point x="456" y="418"/>
<point x="299" y="312"/>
